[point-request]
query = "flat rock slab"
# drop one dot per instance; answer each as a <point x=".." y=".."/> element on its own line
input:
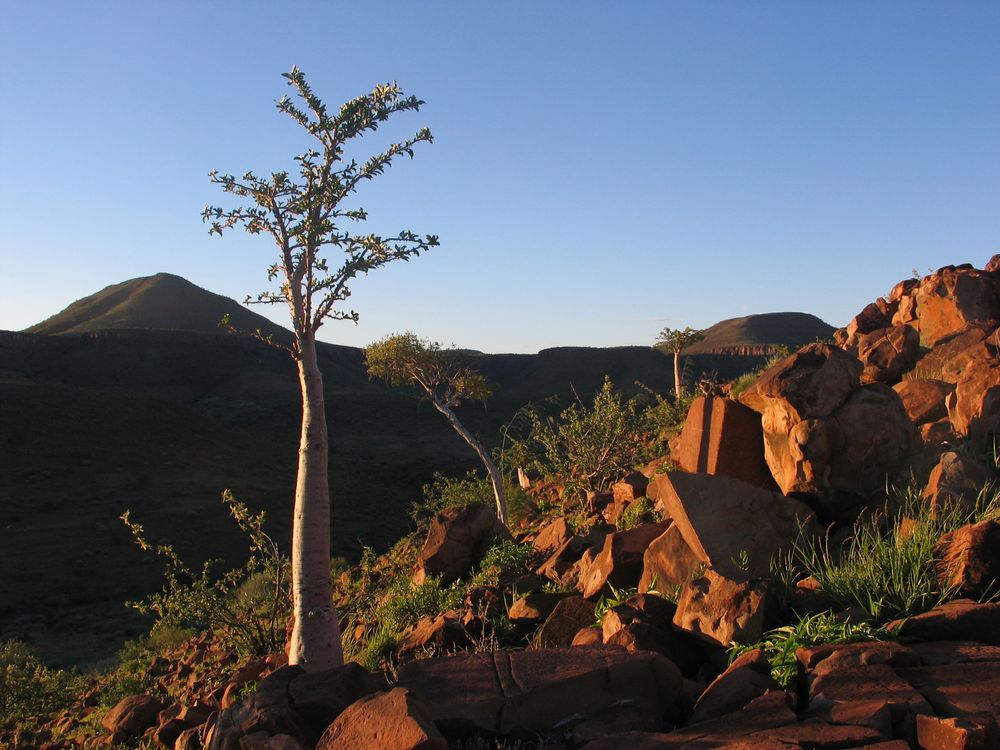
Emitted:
<point x="959" y="690"/>
<point x="523" y="693"/>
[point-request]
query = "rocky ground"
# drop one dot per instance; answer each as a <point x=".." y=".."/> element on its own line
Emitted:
<point x="636" y="595"/>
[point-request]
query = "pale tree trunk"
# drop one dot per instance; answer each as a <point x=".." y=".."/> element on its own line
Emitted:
<point x="677" y="373"/>
<point x="484" y="456"/>
<point x="315" y="643"/>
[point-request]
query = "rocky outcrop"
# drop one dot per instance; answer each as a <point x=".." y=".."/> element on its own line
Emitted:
<point x="667" y="563"/>
<point x="727" y="523"/>
<point x="397" y="720"/>
<point x="565" y="692"/>
<point x="887" y="353"/>
<point x="618" y="561"/>
<point x="722" y="436"/>
<point x="826" y="434"/>
<point x="957" y="479"/>
<point x="723" y="607"/>
<point x="457" y="540"/>
<point x="968" y="559"/>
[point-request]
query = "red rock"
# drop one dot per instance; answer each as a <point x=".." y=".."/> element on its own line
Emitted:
<point x="533" y="692"/>
<point x="667" y="563"/>
<point x="874" y="316"/>
<point x="747" y="678"/>
<point x="132" y="715"/>
<point x="974" y="407"/>
<point x="535" y="607"/>
<point x="887" y="353"/>
<point x="956" y="479"/>
<point x="939" y="434"/>
<point x="269" y="709"/>
<point x="552" y="535"/>
<point x="953" y="297"/>
<point x="722" y="436"/>
<point x="722" y="519"/>
<point x="560" y="567"/>
<point x="434" y="635"/>
<point x="903" y="288"/>
<point x="809" y="384"/>
<point x="958" y="620"/>
<point x="569" y="616"/>
<point x="993" y="264"/>
<point x="645" y="608"/>
<point x="936" y="653"/>
<point x="968" y="559"/>
<point x="722" y="608"/>
<point x="619" y="560"/>
<point x="876" y="438"/>
<point x="924" y="400"/>
<point x="935" y="733"/>
<point x="629" y="489"/>
<point x="457" y="540"/>
<point x="962" y="690"/>
<point x="876" y="714"/>
<point x="319" y="697"/>
<point x="951" y="356"/>
<point x="588" y="637"/>
<point x="397" y="720"/>
<point x="858" y="654"/>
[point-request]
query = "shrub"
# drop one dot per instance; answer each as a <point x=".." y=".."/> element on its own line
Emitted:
<point x="502" y="561"/>
<point x="779" y="645"/>
<point x="584" y="447"/>
<point x="456" y="492"/>
<point x="30" y="691"/>
<point x="249" y="603"/>
<point x="636" y="513"/>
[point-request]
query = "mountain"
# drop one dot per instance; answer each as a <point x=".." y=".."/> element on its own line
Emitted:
<point x="160" y="302"/>
<point x="761" y="334"/>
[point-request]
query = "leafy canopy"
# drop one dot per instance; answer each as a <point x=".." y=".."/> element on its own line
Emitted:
<point x="305" y="213"/>
<point x="445" y="375"/>
<point x="675" y="339"/>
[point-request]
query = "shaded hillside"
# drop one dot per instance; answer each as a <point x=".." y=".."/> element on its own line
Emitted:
<point x="761" y="334"/>
<point x="163" y="301"/>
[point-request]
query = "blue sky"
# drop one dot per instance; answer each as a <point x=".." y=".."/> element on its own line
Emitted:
<point x="599" y="170"/>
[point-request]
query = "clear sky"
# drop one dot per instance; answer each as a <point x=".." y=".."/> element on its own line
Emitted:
<point x="600" y="170"/>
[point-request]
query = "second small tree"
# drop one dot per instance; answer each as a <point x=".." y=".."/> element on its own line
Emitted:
<point x="446" y="380"/>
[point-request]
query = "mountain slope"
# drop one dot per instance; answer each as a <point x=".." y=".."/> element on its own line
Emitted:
<point x="163" y="301"/>
<point x="758" y="333"/>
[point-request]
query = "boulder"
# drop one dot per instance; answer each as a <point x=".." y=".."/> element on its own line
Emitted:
<point x="968" y="559"/>
<point x="630" y="488"/>
<point x="950" y="356"/>
<point x="974" y="406"/>
<point x="320" y="697"/>
<point x="874" y="316"/>
<point x="552" y="535"/>
<point x="618" y="561"/>
<point x="953" y="297"/>
<point x="956" y="479"/>
<point x="667" y="563"/>
<point x="434" y="635"/>
<point x="723" y="607"/>
<point x="527" y="693"/>
<point x="961" y="619"/>
<point x="976" y="733"/>
<point x="132" y="716"/>
<point x="746" y="679"/>
<point x="569" y="616"/>
<point x="722" y="436"/>
<point x="270" y="709"/>
<point x="723" y="520"/>
<point x="644" y="608"/>
<point x="457" y="540"/>
<point x="397" y="720"/>
<point x="876" y="438"/>
<point x="924" y="400"/>
<point x="887" y="353"/>
<point x="809" y="384"/>
<point x="536" y="606"/>
<point x="588" y="637"/>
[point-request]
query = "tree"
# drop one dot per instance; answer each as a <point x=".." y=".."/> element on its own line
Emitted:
<point x="446" y="380"/>
<point x="675" y="340"/>
<point x="306" y="216"/>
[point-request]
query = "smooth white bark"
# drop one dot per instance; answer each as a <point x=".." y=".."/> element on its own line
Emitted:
<point x="315" y="643"/>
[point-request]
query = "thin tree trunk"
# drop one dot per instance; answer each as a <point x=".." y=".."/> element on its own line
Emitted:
<point x="315" y="643"/>
<point x="677" y="373"/>
<point x="491" y="467"/>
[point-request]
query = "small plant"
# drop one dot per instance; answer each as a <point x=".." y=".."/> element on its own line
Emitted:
<point x="636" y="513"/>
<point x="249" y="603"/>
<point x="456" y="492"/>
<point x="779" y="645"/>
<point x="30" y="691"/>
<point x="501" y="561"/>
<point x="606" y="603"/>
<point x="889" y="570"/>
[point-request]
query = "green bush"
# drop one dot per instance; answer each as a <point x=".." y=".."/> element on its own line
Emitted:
<point x="636" y="514"/>
<point x="503" y="561"/>
<point x="456" y="492"/>
<point x="30" y="691"/>
<point x="586" y="447"/>
<point x="779" y="645"/>
<point x="888" y="567"/>
<point x="249" y="603"/>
